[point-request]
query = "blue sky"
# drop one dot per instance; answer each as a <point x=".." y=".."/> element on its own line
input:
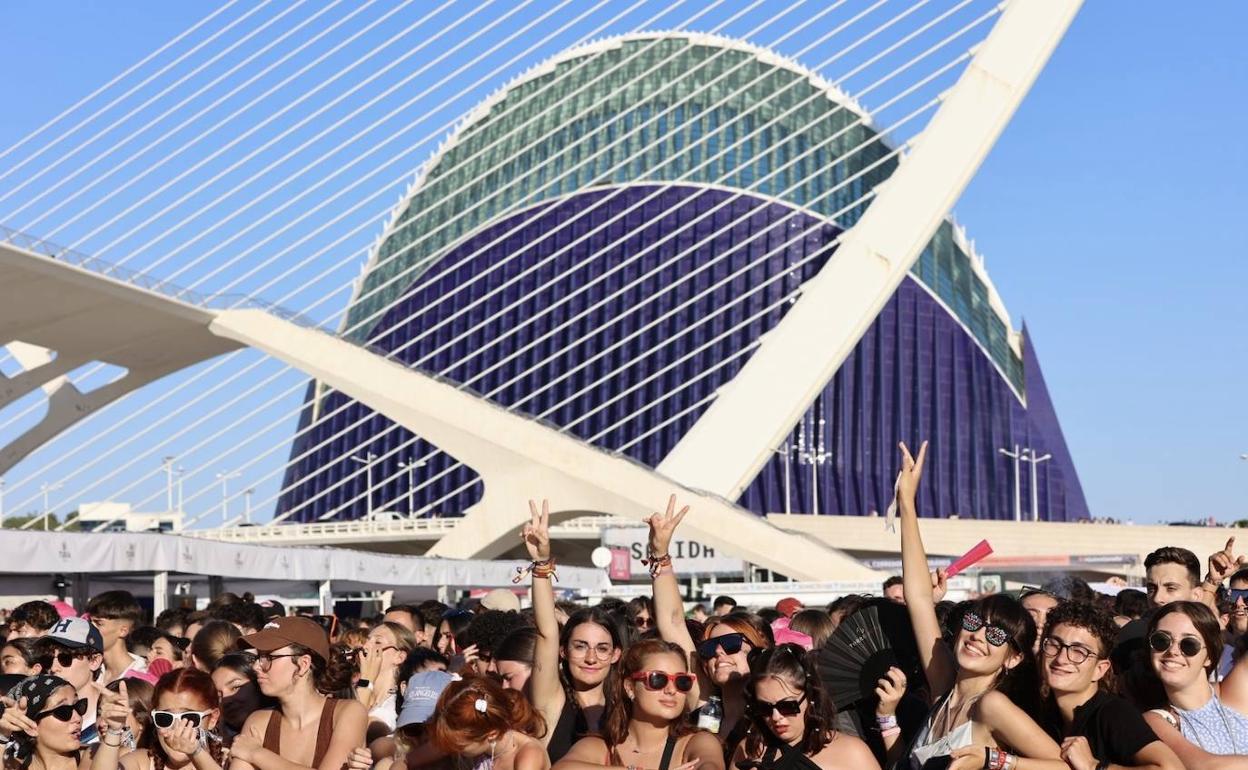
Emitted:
<point x="1110" y="214"/>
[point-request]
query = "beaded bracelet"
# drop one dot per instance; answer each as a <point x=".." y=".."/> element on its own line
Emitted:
<point x="886" y="721"/>
<point x="539" y="569"/>
<point x="656" y="563"/>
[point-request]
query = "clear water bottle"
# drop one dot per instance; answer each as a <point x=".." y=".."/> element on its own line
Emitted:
<point x="711" y="715"/>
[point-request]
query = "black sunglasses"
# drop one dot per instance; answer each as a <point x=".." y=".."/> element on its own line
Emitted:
<point x="996" y="635"/>
<point x="657" y="680"/>
<point x="789" y="707"/>
<point x="65" y="657"/>
<point x="66" y="712"/>
<point x="729" y="643"/>
<point x="1161" y="641"/>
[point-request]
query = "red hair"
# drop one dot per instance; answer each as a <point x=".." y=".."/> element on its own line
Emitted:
<point x="191" y="680"/>
<point x="460" y="722"/>
<point x="738" y="623"/>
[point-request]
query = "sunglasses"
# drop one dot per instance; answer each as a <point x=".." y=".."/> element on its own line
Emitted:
<point x="1161" y="641"/>
<point x="65" y="657"/>
<point x="66" y="712"/>
<point x="165" y="719"/>
<point x="789" y="707"/>
<point x="729" y="643"/>
<point x="643" y="622"/>
<point x="1238" y="593"/>
<point x="656" y="681"/>
<point x="996" y="635"/>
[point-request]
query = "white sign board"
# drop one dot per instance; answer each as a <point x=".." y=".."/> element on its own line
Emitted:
<point x="689" y="557"/>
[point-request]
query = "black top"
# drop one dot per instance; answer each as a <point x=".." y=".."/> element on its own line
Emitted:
<point x="790" y="758"/>
<point x="1115" y="729"/>
<point x="570" y="728"/>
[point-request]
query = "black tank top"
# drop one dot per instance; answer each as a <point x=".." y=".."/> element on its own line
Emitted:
<point x="570" y="728"/>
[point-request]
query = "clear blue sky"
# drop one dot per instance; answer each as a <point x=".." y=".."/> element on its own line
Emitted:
<point x="1111" y="214"/>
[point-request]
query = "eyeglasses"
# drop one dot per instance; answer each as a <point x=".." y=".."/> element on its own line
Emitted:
<point x="264" y="661"/>
<point x="66" y="712"/>
<point x="729" y="643"/>
<point x="789" y="707"/>
<point x="643" y="621"/>
<point x="581" y="649"/>
<point x="1161" y="641"/>
<point x="996" y="635"/>
<point x="1075" y="653"/>
<point x="165" y="719"/>
<point x="658" y="680"/>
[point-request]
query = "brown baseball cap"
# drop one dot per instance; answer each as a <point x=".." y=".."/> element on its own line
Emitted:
<point x="279" y="632"/>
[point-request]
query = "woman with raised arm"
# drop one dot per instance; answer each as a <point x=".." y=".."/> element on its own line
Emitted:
<point x="185" y="711"/>
<point x="1205" y="724"/>
<point x="977" y="686"/>
<point x="308" y="729"/>
<point x="726" y="641"/>
<point x="43" y="725"/>
<point x="571" y="682"/>
<point x="647" y="727"/>
<point x="793" y="718"/>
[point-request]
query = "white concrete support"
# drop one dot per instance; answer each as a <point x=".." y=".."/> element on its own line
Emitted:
<point x="735" y="437"/>
<point x="325" y="595"/>
<point x="520" y="458"/>
<point x="160" y="593"/>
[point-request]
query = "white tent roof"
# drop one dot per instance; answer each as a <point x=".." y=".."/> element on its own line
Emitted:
<point x="103" y="554"/>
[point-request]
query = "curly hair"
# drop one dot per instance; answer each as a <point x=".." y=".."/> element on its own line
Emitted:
<point x="489" y="628"/>
<point x="1092" y="619"/>
<point x="615" y="723"/>
<point x="792" y="665"/>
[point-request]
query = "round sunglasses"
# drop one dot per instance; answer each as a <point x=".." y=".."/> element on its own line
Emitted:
<point x="729" y="643"/>
<point x="656" y="681"/>
<point x="996" y="635"/>
<point x="1161" y="641"/>
<point x="66" y="712"/>
<point x="789" y="707"/>
<point x="165" y="719"/>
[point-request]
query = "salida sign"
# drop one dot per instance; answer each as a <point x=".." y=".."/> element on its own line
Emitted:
<point x="689" y="557"/>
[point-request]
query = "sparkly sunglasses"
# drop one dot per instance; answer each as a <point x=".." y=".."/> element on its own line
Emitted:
<point x="996" y="635"/>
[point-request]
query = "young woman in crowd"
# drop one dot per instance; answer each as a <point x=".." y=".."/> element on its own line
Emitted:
<point x="793" y="718"/>
<point x="44" y="726"/>
<point x="138" y="696"/>
<point x="234" y="676"/>
<point x="513" y="658"/>
<point x="727" y="640"/>
<point x="493" y="728"/>
<point x="816" y="624"/>
<point x="307" y="729"/>
<point x="387" y="647"/>
<point x="454" y="622"/>
<point x="976" y="684"/>
<point x="183" y="716"/>
<point x="213" y="640"/>
<point x="1205" y="724"/>
<point x="20" y="656"/>
<point x="647" y="726"/>
<point x="571" y="683"/>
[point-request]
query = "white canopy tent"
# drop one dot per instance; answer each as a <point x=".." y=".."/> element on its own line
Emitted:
<point x="30" y="562"/>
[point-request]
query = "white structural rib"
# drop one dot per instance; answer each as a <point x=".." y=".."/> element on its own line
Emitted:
<point x="733" y="439"/>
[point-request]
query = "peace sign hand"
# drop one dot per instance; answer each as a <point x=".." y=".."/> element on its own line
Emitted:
<point x="911" y="473"/>
<point x="663" y="526"/>
<point x="536" y="534"/>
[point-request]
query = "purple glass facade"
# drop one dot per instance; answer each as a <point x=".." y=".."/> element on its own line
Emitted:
<point x="628" y="345"/>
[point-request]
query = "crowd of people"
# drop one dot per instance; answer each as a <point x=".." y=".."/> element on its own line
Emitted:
<point x="1057" y="677"/>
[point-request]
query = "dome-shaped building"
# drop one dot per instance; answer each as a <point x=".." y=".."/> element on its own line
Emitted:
<point x="602" y="243"/>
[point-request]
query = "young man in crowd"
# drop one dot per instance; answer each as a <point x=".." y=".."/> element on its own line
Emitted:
<point x="893" y="590"/>
<point x="116" y="614"/>
<point x="74" y="650"/>
<point x="1097" y="730"/>
<point x="723" y="605"/>
<point x="32" y="620"/>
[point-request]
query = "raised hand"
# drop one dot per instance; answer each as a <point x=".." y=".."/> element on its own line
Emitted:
<point x="181" y="737"/>
<point x="14" y="719"/>
<point x="536" y="534"/>
<point x="889" y="690"/>
<point x="1223" y="563"/>
<point x="940" y="584"/>
<point x="911" y="473"/>
<point x="663" y="526"/>
<point x="114" y="708"/>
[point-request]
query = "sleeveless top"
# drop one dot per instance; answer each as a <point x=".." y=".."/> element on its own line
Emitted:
<point x="613" y="756"/>
<point x="324" y="730"/>
<point x="570" y="728"/>
<point x="924" y="748"/>
<point x="790" y="758"/>
<point x="1214" y="727"/>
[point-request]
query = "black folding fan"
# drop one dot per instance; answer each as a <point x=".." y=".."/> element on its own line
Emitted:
<point x="863" y="647"/>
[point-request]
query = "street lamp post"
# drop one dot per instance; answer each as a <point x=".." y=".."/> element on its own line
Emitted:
<point x="367" y="462"/>
<point x="1016" y="455"/>
<point x="1035" y="488"/>
<point x="45" y="488"/>
<point x="1" y="502"/>
<point x="411" y="465"/>
<point x="247" y="493"/>
<point x="181" y="473"/>
<point x="167" y="462"/>
<point x="224" y="478"/>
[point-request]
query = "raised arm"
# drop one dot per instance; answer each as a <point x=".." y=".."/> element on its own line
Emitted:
<point x="669" y="607"/>
<point x="113" y="709"/>
<point x="545" y="689"/>
<point x="916" y="581"/>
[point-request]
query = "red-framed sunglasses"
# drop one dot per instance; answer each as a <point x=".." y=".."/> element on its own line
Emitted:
<point x="658" y="680"/>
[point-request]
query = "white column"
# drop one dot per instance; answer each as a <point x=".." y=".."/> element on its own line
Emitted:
<point x="160" y="593"/>
<point x="326" y="598"/>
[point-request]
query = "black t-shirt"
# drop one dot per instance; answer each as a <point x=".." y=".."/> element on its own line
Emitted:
<point x="1115" y="729"/>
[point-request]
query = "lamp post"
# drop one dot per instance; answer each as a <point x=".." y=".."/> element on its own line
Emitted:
<point x="181" y="472"/>
<point x="224" y="478"/>
<point x="167" y="462"/>
<point x="411" y="465"/>
<point x="45" y="488"/>
<point x="247" y="493"/>
<point x="1" y="502"/>
<point x="367" y="462"/>
<point x="1016" y="455"/>
<point x="1035" y="488"/>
